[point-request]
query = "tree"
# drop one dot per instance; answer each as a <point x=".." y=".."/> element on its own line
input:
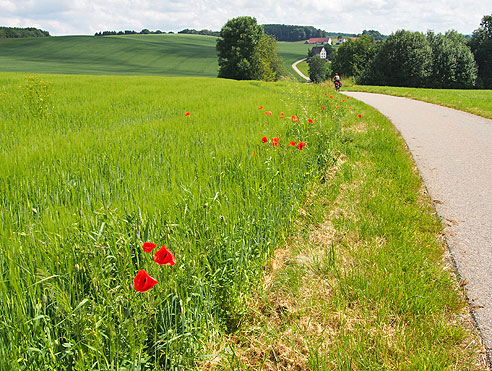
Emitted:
<point x="481" y="46"/>
<point x="453" y="65"/>
<point x="236" y="47"/>
<point x="353" y="55"/>
<point x="266" y="63"/>
<point x="404" y="59"/>
<point x="317" y="70"/>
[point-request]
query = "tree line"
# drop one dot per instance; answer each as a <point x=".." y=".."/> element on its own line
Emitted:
<point x="414" y="59"/>
<point x="285" y="32"/>
<point x="145" y="31"/>
<point x="16" y="32"/>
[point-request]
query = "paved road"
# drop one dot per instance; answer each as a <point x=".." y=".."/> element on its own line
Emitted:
<point x="453" y="151"/>
<point x="294" y="66"/>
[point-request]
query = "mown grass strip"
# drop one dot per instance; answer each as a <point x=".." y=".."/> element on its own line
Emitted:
<point x="363" y="281"/>
<point x="478" y="102"/>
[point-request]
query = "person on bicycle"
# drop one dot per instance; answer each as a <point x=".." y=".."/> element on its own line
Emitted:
<point x="337" y="81"/>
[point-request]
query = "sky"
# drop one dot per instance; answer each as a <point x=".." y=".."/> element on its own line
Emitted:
<point x="86" y="17"/>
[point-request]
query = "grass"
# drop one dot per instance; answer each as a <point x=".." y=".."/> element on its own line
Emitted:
<point x="93" y="166"/>
<point x="362" y="281"/>
<point x="478" y="102"/>
<point x="162" y="55"/>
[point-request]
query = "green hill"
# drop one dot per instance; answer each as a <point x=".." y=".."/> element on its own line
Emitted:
<point x="166" y="55"/>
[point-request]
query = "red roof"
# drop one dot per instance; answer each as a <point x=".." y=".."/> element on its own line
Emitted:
<point x="318" y="40"/>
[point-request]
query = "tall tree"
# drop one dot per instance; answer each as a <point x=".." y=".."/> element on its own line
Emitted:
<point x="453" y="65"/>
<point x="317" y="69"/>
<point x="353" y="55"/>
<point x="266" y="63"/>
<point x="481" y="46"/>
<point x="236" y="47"/>
<point x="404" y="59"/>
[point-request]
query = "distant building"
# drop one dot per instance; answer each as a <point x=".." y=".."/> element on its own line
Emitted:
<point x="319" y="40"/>
<point x="320" y="51"/>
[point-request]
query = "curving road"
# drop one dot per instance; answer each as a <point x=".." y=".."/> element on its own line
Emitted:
<point x="453" y="152"/>
<point x="294" y="66"/>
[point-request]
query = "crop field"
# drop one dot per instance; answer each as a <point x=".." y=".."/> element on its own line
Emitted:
<point x="92" y="167"/>
<point x="163" y="55"/>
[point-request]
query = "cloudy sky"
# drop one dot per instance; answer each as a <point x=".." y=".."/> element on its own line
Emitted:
<point x="85" y="17"/>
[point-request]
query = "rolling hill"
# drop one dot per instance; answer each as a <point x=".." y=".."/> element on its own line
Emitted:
<point x="165" y="55"/>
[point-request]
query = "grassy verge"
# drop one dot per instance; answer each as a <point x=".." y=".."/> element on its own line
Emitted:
<point x="363" y="280"/>
<point x="478" y="102"/>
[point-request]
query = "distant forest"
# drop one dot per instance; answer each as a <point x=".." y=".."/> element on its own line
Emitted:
<point x="129" y="32"/>
<point x="16" y="32"/>
<point x="283" y="32"/>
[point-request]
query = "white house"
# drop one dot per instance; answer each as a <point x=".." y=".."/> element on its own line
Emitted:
<point x="320" y="51"/>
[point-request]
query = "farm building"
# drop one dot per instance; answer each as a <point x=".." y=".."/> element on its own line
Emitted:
<point x="319" y="40"/>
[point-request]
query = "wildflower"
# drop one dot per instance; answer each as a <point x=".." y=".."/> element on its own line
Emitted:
<point x="282" y="117"/>
<point x="360" y="116"/>
<point x="310" y="121"/>
<point x="275" y="139"/>
<point x="323" y="107"/>
<point x="269" y="113"/>
<point x="295" y="118"/>
<point x="164" y="257"/>
<point x="326" y="93"/>
<point x="292" y="143"/>
<point x="348" y="97"/>
<point x="300" y="145"/>
<point x="264" y="140"/>
<point x="149" y="246"/>
<point x="331" y="96"/>
<point x="282" y="114"/>
<point x="275" y="144"/>
<point x="260" y="107"/>
<point x="187" y="114"/>
<point x="143" y="281"/>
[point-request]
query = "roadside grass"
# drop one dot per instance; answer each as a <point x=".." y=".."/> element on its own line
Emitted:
<point x="162" y="55"/>
<point x="478" y="102"/>
<point x="304" y="68"/>
<point x="363" y="280"/>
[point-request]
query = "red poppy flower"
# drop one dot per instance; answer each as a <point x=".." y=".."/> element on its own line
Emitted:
<point x="143" y="281"/>
<point x="323" y="107"/>
<point x="282" y="114"/>
<point x="326" y="93"/>
<point x="275" y="144"/>
<point x="164" y="257"/>
<point x="264" y="139"/>
<point x="338" y="106"/>
<point x="331" y="96"/>
<point x="310" y="121"/>
<point x="294" y="118"/>
<point x="260" y="107"/>
<point x="149" y="246"/>
<point x="360" y="116"/>
<point x="300" y="145"/>
<point x="187" y="114"/>
<point x="343" y="100"/>
<point x="282" y="117"/>
<point x="348" y="97"/>
<point x="276" y="140"/>
<point x="269" y="113"/>
<point x="350" y="107"/>
<point x="292" y="143"/>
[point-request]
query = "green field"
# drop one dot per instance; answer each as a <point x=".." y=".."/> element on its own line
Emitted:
<point x="93" y="166"/>
<point x="478" y="102"/>
<point x="163" y="55"/>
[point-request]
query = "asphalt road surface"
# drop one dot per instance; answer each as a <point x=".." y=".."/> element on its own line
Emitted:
<point x="453" y="152"/>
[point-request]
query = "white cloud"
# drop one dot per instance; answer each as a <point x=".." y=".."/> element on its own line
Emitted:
<point x="386" y="16"/>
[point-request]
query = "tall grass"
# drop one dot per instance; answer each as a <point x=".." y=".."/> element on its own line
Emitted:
<point x="92" y="167"/>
